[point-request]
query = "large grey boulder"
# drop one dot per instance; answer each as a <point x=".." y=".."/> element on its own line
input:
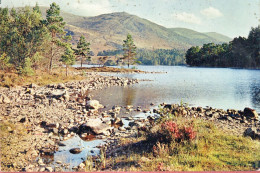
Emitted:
<point x="60" y="95"/>
<point x="95" y="126"/>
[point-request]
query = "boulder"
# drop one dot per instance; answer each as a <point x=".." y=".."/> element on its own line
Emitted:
<point x="4" y="99"/>
<point x="200" y="109"/>
<point x="94" y="126"/>
<point x="250" y="113"/>
<point x="93" y="104"/>
<point x="252" y="132"/>
<point x="32" y="85"/>
<point x="59" y="94"/>
<point x="61" y="86"/>
<point x="117" y="121"/>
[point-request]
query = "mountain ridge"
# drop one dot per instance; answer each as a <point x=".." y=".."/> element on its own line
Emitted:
<point x="107" y="31"/>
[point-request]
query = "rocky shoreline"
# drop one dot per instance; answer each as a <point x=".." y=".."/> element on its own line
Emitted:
<point x="57" y="112"/>
<point x="48" y="114"/>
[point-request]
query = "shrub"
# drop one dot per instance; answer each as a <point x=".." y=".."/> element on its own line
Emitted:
<point x="170" y="131"/>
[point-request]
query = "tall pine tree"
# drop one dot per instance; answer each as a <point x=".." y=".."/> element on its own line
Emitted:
<point x="83" y="49"/>
<point x="129" y="50"/>
<point x="55" y="25"/>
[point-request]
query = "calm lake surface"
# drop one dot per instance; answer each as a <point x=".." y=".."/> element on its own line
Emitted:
<point x="216" y="87"/>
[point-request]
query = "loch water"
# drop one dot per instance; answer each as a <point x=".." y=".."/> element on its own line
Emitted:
<point x="223" y="88"/>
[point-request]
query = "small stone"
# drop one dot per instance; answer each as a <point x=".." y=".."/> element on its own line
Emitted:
<point x="58" y="162"/>
<point x="55" y="131"/>
<point x="49" y="169"/>
<point x="42" y="169"/>
<point x="75" y="150"/>
<point x="82" y="165"/>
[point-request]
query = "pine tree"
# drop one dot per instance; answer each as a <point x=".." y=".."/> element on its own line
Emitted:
<point x="55" y="25"/>
<point x="68" y="58"/>
<point x="83" y="49"/>
<point x="129" y="50"/>
<point x="22" y="35"/>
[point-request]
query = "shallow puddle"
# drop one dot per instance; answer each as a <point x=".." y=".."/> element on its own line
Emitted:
<point x="89" y="148"/>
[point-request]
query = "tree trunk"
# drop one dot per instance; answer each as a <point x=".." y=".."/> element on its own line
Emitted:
<point x="81" y="61"/>
<point x="128" y="61"/>
<point x="51" y="60"/>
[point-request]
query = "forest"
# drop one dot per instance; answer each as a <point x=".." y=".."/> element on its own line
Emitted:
<point x="241" y="52"/>
<point x="152" y="57"/>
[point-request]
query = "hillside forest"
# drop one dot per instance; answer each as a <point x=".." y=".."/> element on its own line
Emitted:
<point x="241" y="52"/>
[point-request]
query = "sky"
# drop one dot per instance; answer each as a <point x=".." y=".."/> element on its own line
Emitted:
<point x="232" y="18"/>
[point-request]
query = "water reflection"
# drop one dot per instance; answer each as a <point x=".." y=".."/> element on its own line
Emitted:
<point x="129" y="94"/>
<point x="255" y="94"/>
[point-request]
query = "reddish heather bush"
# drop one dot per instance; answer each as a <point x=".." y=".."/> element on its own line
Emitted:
<point x="189" y="133"/>
<point x="160" y="166"/>
<point x="171" y="132"/>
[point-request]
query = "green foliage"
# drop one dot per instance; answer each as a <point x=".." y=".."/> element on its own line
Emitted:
<point x="4" y="62"/>
<point x="83" y="49"/>
<point x="129" y="50"/>
<point x="22" y="34"/>
<point x="27" y="68"/>
<point x="240" y="52"/>
<point x="55" y="22"/>
<point x="36" y="60"/>
<point x="68" y="58"/>
<point x="161" y="57"/>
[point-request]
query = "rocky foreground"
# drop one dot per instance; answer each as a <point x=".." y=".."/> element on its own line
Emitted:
<point x="45" y="116"/>
<point x="38" y="119"/>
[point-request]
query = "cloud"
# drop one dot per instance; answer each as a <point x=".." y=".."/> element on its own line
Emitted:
<point x="187" y="18"/>
<point x="211" y="12"/>
<point x="91" y="8"/>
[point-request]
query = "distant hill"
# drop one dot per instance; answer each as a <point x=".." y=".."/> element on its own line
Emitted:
<point x="218" y="36"/>
<point x="107" y="31"/>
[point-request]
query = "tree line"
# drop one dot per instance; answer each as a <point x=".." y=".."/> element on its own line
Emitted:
<point x="29" y="42"/>
<point x="152" y="57"/>
<point x="240" y="52"/>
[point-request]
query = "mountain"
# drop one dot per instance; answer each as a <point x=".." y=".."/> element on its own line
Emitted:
<point x="107" y="31"/>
